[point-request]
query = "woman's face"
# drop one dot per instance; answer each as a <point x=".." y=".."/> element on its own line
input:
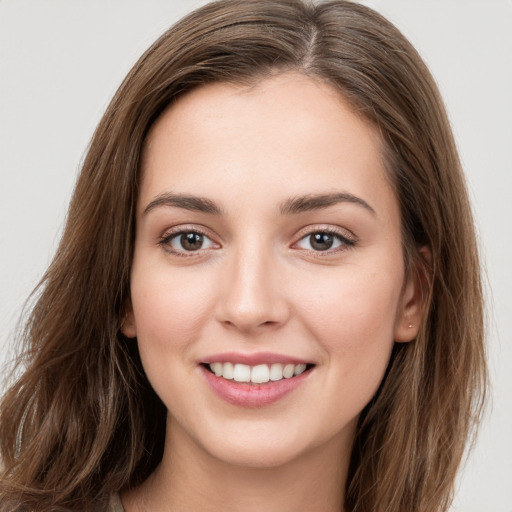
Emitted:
<point x="268" y="238"/>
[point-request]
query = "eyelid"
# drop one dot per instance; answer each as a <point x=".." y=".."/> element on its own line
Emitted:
<point x="347" y="237"/>
<point x="170" y="233"/>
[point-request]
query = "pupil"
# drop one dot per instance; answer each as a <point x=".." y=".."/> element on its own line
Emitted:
<point x="321" y="241"/>
<point x="191" y="241"/>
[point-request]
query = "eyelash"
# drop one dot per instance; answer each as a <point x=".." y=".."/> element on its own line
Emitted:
<point x="166" y="239"/>
<point x="346" y="242"/>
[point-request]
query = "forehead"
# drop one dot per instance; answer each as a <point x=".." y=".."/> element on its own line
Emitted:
<point x="290" y="131"/>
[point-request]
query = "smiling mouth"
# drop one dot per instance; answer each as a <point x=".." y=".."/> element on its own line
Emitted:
<point x="258" y="374"/>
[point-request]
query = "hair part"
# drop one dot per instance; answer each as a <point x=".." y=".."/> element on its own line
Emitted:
<point x="82" y="420"/>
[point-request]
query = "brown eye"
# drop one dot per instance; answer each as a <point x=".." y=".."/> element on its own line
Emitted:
<point x="324" y="241"/>
<point x="187" y="242"/>
<point x="321" y="241"/>
<point x="191" y="241"/>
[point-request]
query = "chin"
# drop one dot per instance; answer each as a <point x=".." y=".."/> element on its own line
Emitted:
<point x="262" y="448"/>
<point x="245" y="444"/>
<point x="257" y="456"/>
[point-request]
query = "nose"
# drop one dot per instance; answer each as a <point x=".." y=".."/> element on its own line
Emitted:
<point x="252" y="297"/>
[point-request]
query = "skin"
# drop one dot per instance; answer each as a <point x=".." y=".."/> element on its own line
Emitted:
<point x="258" y="285"/>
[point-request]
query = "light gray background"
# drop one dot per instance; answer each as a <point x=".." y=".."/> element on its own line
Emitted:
<point x="61" y="61"/>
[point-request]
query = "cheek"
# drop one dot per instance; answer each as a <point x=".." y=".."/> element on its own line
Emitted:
<point x="169" y="307"/>
<point x="352" y="318"/>
<point x="352" y="301"/>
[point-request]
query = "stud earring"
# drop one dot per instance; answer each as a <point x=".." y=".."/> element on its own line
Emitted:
<point x="410" y="326"/>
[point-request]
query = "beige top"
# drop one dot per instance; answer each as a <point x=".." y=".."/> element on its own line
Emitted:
<point x="115" y="505"/>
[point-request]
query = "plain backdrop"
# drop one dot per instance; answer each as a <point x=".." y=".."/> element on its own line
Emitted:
<point x="61" y="61"/>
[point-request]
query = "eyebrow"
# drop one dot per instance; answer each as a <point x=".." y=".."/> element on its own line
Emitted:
<point x="193" y="203"/>
<point x="310" y="202"/>
<point x="294" y="205"/>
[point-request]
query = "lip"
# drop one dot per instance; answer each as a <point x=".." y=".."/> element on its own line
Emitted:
<point x="253" y="395"/>
<point x="253" y="359"/>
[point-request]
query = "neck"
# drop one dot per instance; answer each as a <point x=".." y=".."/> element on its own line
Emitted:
<point x="189" y="478"/>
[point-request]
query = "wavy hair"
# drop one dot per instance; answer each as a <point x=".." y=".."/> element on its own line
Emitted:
<point x="81" y="420"/>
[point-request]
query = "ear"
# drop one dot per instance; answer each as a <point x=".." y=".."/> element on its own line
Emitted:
<point x="129" y="326"/>
<point x="414" y="297"/>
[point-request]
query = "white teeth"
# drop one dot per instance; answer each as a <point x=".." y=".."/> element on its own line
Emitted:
<point x="288" y="371"/>
<point x="227" y="370"/>
<point x="259" y="374"/>
<point x="276" y="371"/>
<point x="242" y="373"/>
<point x="217" y="369"/>
<point x="300" y="368"/>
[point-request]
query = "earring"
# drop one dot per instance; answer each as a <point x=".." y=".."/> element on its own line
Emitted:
<point x="410" y="326"/>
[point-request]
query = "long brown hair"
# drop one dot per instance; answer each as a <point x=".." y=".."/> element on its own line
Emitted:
<point x="82" y="420"/>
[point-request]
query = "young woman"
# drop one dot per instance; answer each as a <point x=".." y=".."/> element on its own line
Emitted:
<point x="267" y="294"/>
